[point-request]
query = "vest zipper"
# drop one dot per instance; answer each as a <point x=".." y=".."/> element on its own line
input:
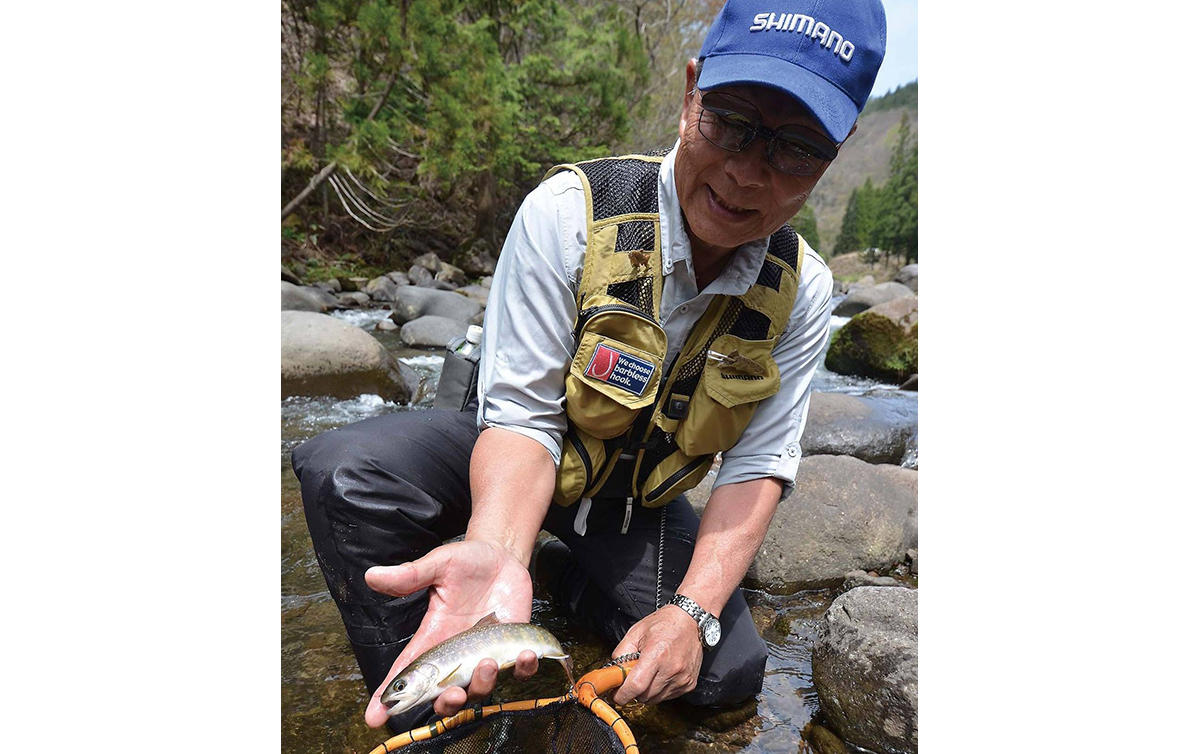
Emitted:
<point x="588" y="314"/>
<point x="674" y="478"/>
<point x="583" y="456"/>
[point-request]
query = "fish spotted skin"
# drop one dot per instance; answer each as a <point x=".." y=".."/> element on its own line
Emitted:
<point x="453" y="661"/>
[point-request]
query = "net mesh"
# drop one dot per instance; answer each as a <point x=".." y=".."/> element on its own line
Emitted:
<point x="564" y="727"/>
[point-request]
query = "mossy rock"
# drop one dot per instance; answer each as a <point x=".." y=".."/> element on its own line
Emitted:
<point x="872" y="345"/>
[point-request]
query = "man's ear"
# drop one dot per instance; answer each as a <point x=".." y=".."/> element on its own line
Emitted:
<point x="689" y="93"/>
<point x="852" y="130"/>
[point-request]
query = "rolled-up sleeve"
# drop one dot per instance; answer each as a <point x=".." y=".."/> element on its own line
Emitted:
<point x="770" y="446"/>
<point x="528" y="337"/>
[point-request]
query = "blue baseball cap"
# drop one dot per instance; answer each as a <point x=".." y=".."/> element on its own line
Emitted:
<point x="824" y="53"/>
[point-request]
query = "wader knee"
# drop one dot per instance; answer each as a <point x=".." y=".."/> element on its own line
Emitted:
<point x="734" y="677"/>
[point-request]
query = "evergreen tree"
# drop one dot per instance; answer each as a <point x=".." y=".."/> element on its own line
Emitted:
<point x="848" y="237"/>
<point x="805" y="223"/>
<point x="897" y="223"/>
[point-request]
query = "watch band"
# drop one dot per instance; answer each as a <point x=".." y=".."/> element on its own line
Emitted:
<point x="690" y="607"/>
<point x="707" y="624"/>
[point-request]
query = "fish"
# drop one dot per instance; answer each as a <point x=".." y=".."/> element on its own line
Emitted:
<point x="453" y="661"/>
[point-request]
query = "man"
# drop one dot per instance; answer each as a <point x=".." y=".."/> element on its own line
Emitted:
<point x="647" y="312"/>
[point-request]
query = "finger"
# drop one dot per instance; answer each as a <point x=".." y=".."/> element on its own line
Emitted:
<point x="631" y="642"/>
<point x="483" y="680"/>
<point x="635" y="684"/>
<point x="406" y="578"/>
<point x="527" y="665"/>
<point x="451" y="701"/>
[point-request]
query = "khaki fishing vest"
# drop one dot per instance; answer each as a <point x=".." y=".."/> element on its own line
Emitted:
<point x="617" y="398"/>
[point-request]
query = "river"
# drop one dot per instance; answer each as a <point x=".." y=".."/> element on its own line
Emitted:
<point x="323" y="696"/>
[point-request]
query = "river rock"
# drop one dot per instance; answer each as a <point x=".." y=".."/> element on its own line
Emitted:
<point x="911" y="556"/>
<point x="476" y="293"/>
<point x="879" y="343"/>
<point x="418" y="275"/>
<point x="335" y="286"/>
<point x="859" y="578"/>
<point x="354" y="299"/>
<point x="305" y="298"/>
<point x="861" y="299"/>
<point x="348" y="284"/>
<point x="875" y="429"/>
<point x="910" y="384"/>
<point x="431" y="331"/>
<point x="386" y="325"/>
<point x="412" y="302"/>
<point x="844" y="515"/>
<point x="430" y="262"/>
<point x="327" y="287"/>
<point x="907" y="276"/>
<point x="322" y="355"/>
<point x="865" y="668"/>
<point x="478" y="262"/>
<point x="382" y="288"/>
<point x="486" y="282"/>
<point x="356" y="284"/>
<point x="288" y="275"/>
<point x="451" y="274"/>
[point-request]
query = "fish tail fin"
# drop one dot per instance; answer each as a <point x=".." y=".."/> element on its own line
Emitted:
<point x="568" y="665"/>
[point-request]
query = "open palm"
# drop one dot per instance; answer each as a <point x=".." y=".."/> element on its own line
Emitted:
<point x="466" y="581"/>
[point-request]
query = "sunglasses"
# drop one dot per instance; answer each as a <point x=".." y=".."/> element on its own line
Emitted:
<point x="731" y="123"/>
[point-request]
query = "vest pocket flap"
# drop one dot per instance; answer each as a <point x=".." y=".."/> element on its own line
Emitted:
<point x="740" y="371"/>
<point x="626" y="374"/>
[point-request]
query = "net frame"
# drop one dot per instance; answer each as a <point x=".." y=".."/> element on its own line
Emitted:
<point x="587" y="692"/>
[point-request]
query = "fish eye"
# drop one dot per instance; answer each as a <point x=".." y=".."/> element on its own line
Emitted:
<point x="400" y="685"/>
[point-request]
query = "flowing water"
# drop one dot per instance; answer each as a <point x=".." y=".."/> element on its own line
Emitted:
<point x="323" y="695"/>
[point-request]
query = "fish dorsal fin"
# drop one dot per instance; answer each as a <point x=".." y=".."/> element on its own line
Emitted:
<point x="449" y="675"/>
<point x="488" y="620"/>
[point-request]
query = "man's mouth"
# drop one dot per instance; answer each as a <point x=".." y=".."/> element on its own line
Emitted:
<point x="731" y="210"/>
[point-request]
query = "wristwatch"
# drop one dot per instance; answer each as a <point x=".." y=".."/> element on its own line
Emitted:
<point x="710" y="627"/>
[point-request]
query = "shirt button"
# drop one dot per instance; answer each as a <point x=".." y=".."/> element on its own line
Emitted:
<point x="684" y="308"/>
<point x="792" y="451"/>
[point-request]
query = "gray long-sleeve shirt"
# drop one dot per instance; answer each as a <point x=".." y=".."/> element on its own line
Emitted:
<point x="528" y="334"/>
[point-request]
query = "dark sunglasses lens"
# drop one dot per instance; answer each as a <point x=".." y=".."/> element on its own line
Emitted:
<point x="801" y="152"/>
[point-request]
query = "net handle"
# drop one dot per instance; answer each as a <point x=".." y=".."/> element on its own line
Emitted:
<point x="467" y="715"/>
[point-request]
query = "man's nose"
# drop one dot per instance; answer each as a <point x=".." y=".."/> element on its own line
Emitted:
<point x="748" y="168"/>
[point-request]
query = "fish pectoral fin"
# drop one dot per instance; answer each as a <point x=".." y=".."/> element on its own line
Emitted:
<point x="450" y="675"/>
<point x="488" y="620"/>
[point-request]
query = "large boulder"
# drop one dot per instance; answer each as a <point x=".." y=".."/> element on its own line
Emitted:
<point x="861" y="299"/>
<point x="382" y="288"/>
<point x="412" y="302"/>
<point x="880" y="343"/>
<point x="354" y="299"/>
<point x="398" y="277"/>
<point x="304" y="298"/>
<point x="865" y="668"/>
<point x="322" y="355"/>
<point x="907" y="276"/>
<point x="875" y="429"/>
<point x="431" y="331"/>
<point x="844" y="515"/>
<point x="476" y="293"/>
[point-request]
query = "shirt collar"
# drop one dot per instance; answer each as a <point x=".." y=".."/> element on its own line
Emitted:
<point x="742" y="270"/>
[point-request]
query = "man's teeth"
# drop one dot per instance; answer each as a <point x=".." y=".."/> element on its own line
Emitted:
<point x="726" y="205"/>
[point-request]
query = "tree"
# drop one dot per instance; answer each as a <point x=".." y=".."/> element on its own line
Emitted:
<point x="897" y="225"/>
<point x="805" y="223"/>
<point x="848" y="238"/>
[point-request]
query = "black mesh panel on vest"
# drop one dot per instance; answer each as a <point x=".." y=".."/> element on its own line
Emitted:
<point x="635" y="235"/>
<point x="770" y="275"/>
<point x="751" y="324"/>
<point x="621" y="187"/>
<point x="638" y="292"/>
<point x="785" y="244"/>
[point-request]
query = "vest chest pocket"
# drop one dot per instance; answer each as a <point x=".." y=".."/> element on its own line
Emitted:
<point x="738" y="373"/>
<point x="616" y="369"/>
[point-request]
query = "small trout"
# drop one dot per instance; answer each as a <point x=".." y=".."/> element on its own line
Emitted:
<point x="452" y="662"/>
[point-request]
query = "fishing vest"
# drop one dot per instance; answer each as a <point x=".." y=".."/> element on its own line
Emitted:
<point x="617" y="398"/>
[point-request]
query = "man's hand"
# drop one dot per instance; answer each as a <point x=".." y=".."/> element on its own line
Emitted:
<point x="669" y="643"/>
<point x="466" y="581"/>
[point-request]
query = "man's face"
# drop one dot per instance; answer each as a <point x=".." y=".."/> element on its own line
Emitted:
<point x="731" y="198"/>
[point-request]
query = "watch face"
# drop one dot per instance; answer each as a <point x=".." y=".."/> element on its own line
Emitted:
<point x="712" y="632"/>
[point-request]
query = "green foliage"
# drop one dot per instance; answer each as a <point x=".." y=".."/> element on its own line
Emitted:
<point x="901" y="97"/>
<point x="886" y="217"/>
<point x="488" y="93"/>
<point x="805" y="223"/>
